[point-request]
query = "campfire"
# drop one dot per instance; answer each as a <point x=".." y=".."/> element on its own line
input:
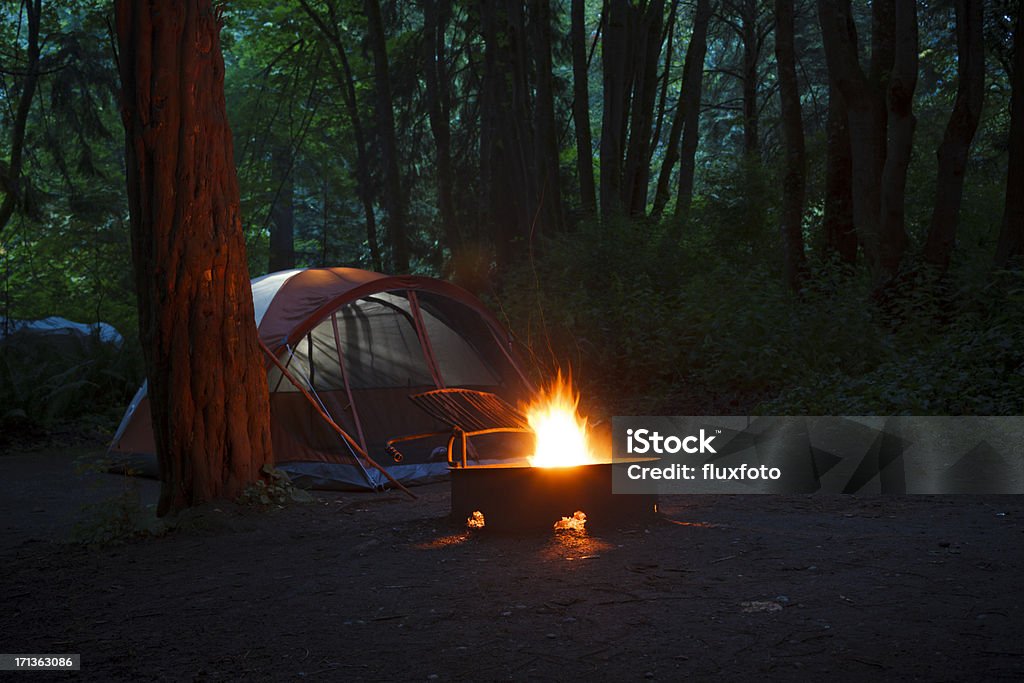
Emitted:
<point x="562" y="485"/>
<point x="561" y="433"/>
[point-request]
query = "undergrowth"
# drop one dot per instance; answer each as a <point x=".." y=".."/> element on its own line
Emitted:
<point x="704" y="325"/>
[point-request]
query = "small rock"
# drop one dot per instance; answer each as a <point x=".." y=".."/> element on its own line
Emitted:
<point x="551" y="635"/>
<point x="649" y="674"/>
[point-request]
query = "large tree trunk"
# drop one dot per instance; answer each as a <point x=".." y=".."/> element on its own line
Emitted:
<point x="207" y="383"/>
<point x="394" y="202"/>
<point x="1011" y="234"/>
<point x="794" y="183"/>
<point x="900" y="127"/>
<point x="546" y="137"/>
<point x="956" y="142"/>
<point x="346" y="83"/>
<point x="840" y="236"/>
<point x="435" y="69"/>
<point x="687" y="110"/>
<point x="11" y="180"/>
<point x="282" y="211"/>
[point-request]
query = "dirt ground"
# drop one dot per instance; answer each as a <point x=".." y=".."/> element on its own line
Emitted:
<point x="377" y="587"/>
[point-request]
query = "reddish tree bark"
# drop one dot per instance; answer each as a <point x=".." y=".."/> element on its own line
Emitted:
<point x="794" y="184"/>
<point x="956" y="142"/>
<point x="207" y="383"/>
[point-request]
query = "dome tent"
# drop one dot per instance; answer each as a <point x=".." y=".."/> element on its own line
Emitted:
<point x="362" y="343"/>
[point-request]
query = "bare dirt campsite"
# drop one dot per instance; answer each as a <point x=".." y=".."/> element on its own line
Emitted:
<point x="379" y="587"/>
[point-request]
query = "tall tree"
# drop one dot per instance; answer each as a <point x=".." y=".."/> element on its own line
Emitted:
<point x="11" y="181"/>
<point x="900" y="127"/>
<point x="435" y="69"/>
<point x="342" y="72"/>
<point x="840" y="235"/>
<point x="685" y="121"/>
<point x="614" y="63"/>
<point x="546" y="137"/>
<point x="794" y="184"/>
<point x="282" y="211"/>
<point x="581" y="108"/>
<point x="752" y="26"/>
<point x="1011" y="233"/>
<point x="872" y="105"/>
<point x="394" y="201"/>
<point x="207" y="383"/>
<point x="507" y="148"/>
<point x="647" y="39"/>
<point x="963" y="122"/>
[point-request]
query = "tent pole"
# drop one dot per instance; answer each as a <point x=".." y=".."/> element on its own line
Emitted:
<point x="331" y="423"/>
<point x="323" y="407"/>
<point x="348" y="387"/>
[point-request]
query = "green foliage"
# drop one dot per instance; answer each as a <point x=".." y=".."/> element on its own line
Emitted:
<point x="119" y="518"/>
<point x="54" y="378"/>
<point x="651" y="326"/>
<point x="276" y="489"/>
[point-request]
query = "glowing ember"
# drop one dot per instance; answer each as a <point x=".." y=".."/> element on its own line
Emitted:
<point x="476" y="521"/>
<point x="561" y="432"/>
<point x="578" y="522"/>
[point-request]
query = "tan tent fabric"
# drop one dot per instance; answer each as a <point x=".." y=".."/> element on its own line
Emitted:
<point x="362" y="343"/>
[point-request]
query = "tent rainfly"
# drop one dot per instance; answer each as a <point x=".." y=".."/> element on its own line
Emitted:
<point x="361" y="343"/>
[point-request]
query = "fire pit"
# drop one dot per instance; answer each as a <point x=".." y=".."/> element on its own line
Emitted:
<point x="561" y="477"/>
<point x="522" y="498"/>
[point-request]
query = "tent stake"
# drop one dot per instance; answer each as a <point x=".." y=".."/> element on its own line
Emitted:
<point x="331" y="423"/>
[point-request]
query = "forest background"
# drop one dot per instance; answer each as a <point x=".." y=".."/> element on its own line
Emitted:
<point x="730" y="206"/>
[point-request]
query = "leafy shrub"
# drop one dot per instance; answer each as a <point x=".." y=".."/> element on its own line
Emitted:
<point x="649" y="325"/>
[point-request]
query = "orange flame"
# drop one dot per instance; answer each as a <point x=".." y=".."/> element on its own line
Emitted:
<point x="561" y="432"/>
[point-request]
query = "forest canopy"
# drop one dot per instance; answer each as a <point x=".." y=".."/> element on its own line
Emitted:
<point x="698" y="205"/>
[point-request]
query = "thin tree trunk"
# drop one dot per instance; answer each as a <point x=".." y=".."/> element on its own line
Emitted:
<point x="435" y="69"/>
<point x="613" y="119"/>
<point x="1011" y="234"/>
<point x="794" y="182"/>
<point x="956" y="142"/>
<point x="549" y="184"/>
<point x="394" y="202"/>
<point x="11" y="183"/>
<point x="840" y="235"/>
<point x="691" y="94"/>
<point x="343" y="75"/>
<point x="659" y="119"/>
<point x="207" y="382"/>
<point x="581" y="109"/>
<point x="900" y="127"/>
<point x="282" y="211"/>
<point x="865" y="107"/>
<point x="689" y="103"/>
<point x="751" y="57"/>
<point x="512" y="197"/>
<point x="645" y="77"/>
